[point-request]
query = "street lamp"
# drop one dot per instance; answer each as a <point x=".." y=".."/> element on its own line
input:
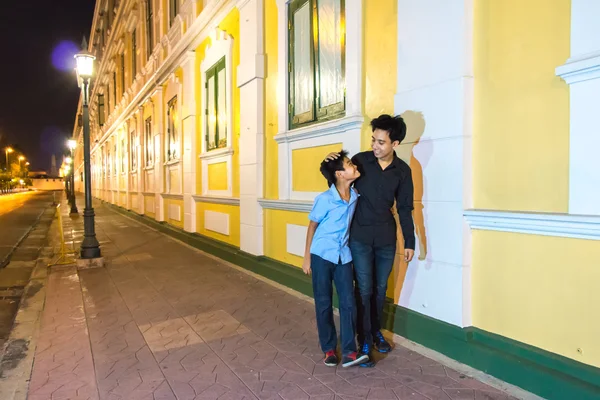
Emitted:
<point x="90" y="248"/>
<point x="71" y="144"/>
<point x="21" y="158"/>
<point x="8" y="150"/>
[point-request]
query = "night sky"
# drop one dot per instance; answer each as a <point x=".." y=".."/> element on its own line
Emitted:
<point x="39" y="92"/>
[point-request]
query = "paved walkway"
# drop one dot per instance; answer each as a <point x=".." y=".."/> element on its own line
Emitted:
<point x="164" y="321"/>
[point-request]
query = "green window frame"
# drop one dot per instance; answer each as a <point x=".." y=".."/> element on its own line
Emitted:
<point x="172" y="134"/>
<point x="108" y="163"/>
<point x="123" y="156"/>
<point x="133" y="55"/>
<point x="115" y="159"/>
<point x="149" y="28"/>
<point x="101" y="110"/>
<point x="173" y="11"/>
<point x="122" y="74"/>
<point x="114" y="88"/>
<point x="316" y="61"/>
<point x="133" y="148"/>
<point x="215" y="110"/>
<point x="148" y="142"/>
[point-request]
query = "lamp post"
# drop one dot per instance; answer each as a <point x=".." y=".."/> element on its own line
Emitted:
<point x="65" y="174"/>
<point x="70" y="179"/>
<point x="72" y="144"/>
<point x="90" y="248"/>
<point x="7" y="151"/>
<point x="21" y="158"/>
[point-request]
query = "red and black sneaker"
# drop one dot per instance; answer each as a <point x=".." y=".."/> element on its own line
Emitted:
<point x="354" y="359"/>
<point x="331" y="359"/>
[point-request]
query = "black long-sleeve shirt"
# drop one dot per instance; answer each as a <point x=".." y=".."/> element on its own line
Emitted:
<point x="373" y="221"/>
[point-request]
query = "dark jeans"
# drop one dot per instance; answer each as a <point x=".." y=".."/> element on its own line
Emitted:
<point x="323" y="273"/>
<point x="372" y="267"/>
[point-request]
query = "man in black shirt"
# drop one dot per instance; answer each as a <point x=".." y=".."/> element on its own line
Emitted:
<point x="384" y="179"/>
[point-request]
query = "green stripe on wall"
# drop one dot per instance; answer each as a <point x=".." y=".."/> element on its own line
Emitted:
<point x="538" y="371"/>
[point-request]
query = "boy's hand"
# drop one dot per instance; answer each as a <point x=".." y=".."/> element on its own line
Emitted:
<point x="306" y="266"/>
<point x="331" y="157"/>
<point x="408" y="255"/>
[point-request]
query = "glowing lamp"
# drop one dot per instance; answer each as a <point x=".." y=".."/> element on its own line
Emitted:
<point x="85" y="64"/>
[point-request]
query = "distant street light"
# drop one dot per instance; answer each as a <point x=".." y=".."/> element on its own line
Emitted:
<point x="90" y="248"/>
<point x="8" y="150"/>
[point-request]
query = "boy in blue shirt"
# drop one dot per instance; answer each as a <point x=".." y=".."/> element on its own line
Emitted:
<point x="328" y="258"/>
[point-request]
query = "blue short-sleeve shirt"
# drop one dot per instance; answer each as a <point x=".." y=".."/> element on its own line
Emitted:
<point x="334" y="216"/>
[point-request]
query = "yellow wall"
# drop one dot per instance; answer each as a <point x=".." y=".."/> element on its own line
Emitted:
<point x="147" y="210"/>
<point x="234" y="222"/>
<point x="134" y="202"/>
<point x="538" y="290"/>
<point x="200" y="54"/>
<point x="217" y="176"/>
<point x="166" y="204"/>
<point x="271" y="115"/>
<point x="306" y="176"/>
<point x="379" y="62"/>
<point x="379" y="83"/>
<point x="276" y="234"/>
<point x="521" y="125"/>
<point x="230" y="24"/>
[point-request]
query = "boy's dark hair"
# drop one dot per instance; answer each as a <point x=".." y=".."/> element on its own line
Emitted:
<point x="394" y="126"/>
<point x="329" y="168"/>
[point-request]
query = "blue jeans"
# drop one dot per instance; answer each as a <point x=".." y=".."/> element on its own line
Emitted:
<point x="323" y="274"/>
<point x="372" y="267"/>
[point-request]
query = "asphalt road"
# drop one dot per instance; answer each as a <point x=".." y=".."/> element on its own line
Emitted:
<point x="18" y="214"/>
<point x="24" y="222"/>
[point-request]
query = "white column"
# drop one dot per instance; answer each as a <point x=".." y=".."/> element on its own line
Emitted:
<point x="189" y="156"/>
<point x="159" y="154"/>
<point x="582" y="73"/>
<point x="250" y="80"/>
<point x="435" y="96"/>
<point x="140" y="160"/>
<point x="127" y="153"/>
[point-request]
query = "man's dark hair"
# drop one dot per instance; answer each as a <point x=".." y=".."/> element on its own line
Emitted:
<point x="395" y="126"/>
<point x="329" y="168"/>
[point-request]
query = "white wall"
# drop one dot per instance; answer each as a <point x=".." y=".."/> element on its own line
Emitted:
<point x="434" y="93"/>
<point x="48" y="184"/>
<point x="582" y="73"/>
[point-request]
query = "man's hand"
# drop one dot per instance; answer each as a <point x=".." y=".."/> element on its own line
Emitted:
<point x="408" y="255"/>
<point x="331" y="157"/>
<point x="306" y="266"/>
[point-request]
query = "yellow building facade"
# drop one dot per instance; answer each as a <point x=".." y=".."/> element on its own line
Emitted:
<point x="209" y="119"/>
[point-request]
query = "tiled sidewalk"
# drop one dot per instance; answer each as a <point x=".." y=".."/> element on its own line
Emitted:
<point x="164" y="321"/>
